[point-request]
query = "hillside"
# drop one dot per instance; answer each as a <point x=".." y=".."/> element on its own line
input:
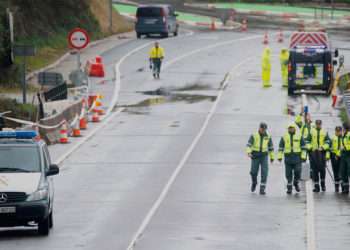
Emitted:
<point x="45" y="24"/>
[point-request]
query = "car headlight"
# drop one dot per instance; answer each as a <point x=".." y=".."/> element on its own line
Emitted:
<point x="38" y="195"/>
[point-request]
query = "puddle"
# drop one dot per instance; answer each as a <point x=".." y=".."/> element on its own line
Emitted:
<point x="163" y="96"/>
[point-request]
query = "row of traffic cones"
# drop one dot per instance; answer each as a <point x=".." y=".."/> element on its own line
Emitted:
<point x="82" y="121"/>
<point x="279" y="37"/>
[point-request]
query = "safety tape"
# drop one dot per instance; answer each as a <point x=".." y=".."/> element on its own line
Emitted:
<point x="75" y="120"/>
<point x="35" y="124"/>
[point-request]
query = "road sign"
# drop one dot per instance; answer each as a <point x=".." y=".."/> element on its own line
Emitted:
<point x="78" y="38"/>
<point x="308" y="39"/>
<point x="50" y="78"/>
<point x="24" y="50"/>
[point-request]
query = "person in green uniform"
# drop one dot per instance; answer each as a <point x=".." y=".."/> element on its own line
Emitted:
<point x="259" y="149"/>
<point x="345" y="160"/>
<point x="318" y="144"/>
<point x="292" y="147"/>
<point x="335" y="151"/>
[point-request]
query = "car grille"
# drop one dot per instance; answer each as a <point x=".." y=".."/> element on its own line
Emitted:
<point x="12" y="197"/>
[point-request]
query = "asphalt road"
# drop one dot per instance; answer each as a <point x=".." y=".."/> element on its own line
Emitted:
<point x="170" y="172"/>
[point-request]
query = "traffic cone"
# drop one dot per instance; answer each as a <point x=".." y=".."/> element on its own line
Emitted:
<point x="244" y="26"/>
<point x="266" y="39"/>
<point x="64" y="133"/>
<point x="212" y="25"/>
<point x="82" y="123"/>
<point x="76" y="129"/>
<point x="334" y="100"/>
<point x="280" y="37"/>
<point x="95" y="117"/>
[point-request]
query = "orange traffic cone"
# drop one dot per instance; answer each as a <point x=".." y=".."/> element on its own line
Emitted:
<point x="280" y="37"/>
<point x="82" y="123"/>
<point x="212" y="25"/>
<point x="64" y="133"/>
<point x="244" y="26"/>
<point x="95" y="117"/>
<point x="266" y="39"/>
<point x="76" y="129"/>
<point x="334" y="100"/>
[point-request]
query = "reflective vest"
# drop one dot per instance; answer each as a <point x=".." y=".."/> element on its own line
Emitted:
<point x="305" y="131"/>
<point x="318" y="140"/>
<point x="336" y="145"/>
<point x="260" y="146"/>
<point x="292" y="146"/>
<point x="156" y="53"/>
<point x="284" y="57"/>
<point x="346" y="142"/>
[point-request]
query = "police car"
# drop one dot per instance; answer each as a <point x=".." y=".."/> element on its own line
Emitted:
<point x="26" y="185"/>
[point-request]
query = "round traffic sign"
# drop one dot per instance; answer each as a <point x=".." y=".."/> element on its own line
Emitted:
<point x="78" y="38"/>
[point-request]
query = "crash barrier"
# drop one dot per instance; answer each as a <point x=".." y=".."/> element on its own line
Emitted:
<point x="346" y="100"/>
<point x="95" y="67"/>
<point x="57" y="93"/>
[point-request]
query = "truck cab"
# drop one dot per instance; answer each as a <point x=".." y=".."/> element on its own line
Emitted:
<point x="310" y="66"/>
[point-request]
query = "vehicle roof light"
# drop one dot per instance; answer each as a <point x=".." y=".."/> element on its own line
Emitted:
<point x="30" y="134"/>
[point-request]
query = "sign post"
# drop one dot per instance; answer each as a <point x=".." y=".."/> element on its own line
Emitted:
<point x="78" y="39"/>
<point x="24" y="51"/>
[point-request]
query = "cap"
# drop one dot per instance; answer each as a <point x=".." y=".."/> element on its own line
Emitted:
<point x="263" y="125"/>
<point x="292" y="125"/>
<point x="338" y="128"/>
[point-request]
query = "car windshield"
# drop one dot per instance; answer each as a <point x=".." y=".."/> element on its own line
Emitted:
<point x="19" y="159"/>
<point x="149" y="12"/>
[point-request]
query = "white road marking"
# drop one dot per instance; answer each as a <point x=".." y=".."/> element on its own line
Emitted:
<point x="180" y="166"/>
<point x="310" y="208"/>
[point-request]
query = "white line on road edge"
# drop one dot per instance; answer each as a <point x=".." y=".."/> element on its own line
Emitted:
<point x="310" y="208"/>
<point x="180" y="166"/>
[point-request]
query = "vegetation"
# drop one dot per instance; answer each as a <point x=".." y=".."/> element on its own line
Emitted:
<point x="45" y="25"/>
<point x="21" y="111"/>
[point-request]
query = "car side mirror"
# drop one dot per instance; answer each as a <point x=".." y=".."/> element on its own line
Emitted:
<point x="336" y="53"/>
<point x="53" y="170"/>
<point x="335" y="62"/>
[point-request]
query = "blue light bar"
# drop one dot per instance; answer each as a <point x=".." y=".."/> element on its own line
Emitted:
<point x="31" y="134"/>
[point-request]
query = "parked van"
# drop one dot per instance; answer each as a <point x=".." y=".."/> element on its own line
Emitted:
<point x="156" y="19"/>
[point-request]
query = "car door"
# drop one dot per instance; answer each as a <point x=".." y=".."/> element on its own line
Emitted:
<point x="47" y="163"/>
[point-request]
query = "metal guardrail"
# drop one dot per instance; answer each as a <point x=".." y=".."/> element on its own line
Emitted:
<point x="346" y="100"/>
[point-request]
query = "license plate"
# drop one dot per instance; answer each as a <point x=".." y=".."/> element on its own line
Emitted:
<point x="7" y="210"/>
<point x="150" y="21"/>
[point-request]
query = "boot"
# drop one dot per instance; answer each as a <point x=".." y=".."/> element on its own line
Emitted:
<point x="262" y="190"/>
<point x="154" y="75"/>
<point x="253" y="187"/>
<point x="296" y="186"/>
<point x="316" y="188"/>
<point x="289" y="188"/>
<point x="336" y="188"/>
<point x="323" y="185"/>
